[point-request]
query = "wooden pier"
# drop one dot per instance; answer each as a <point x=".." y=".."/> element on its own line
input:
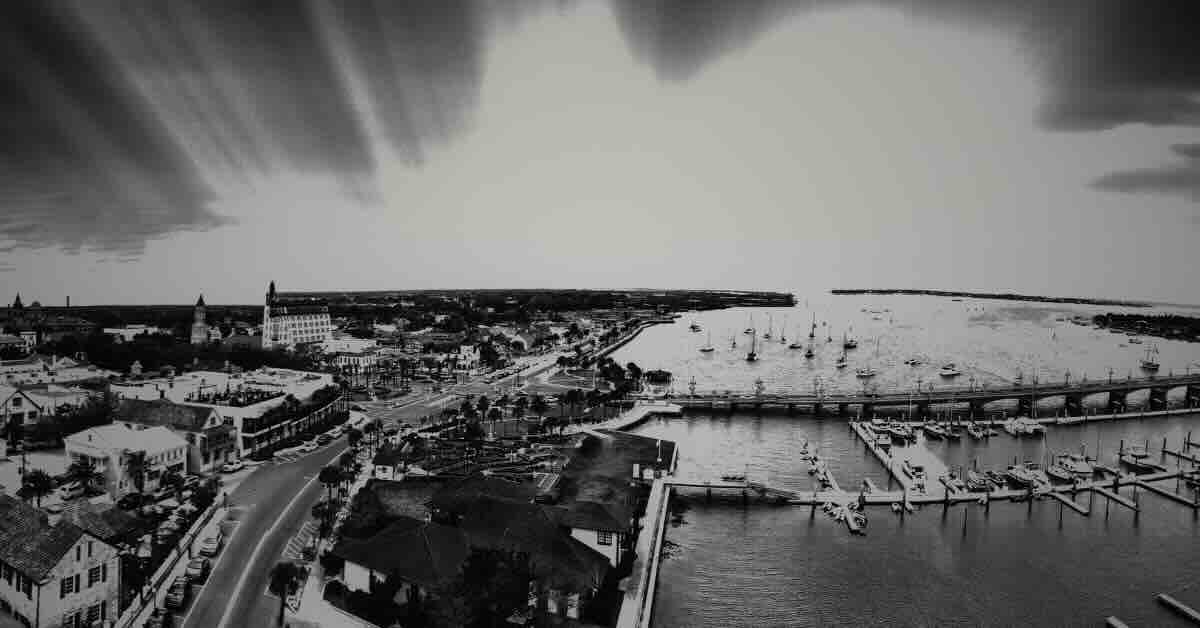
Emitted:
<point x="1179" y="607"/>
<point x="1176" y="497"/>
<point x="1113" y="622"/>
<point x="1182" y="456"/>
<point x="1069" y="503"/>
<point x="1100" y="490"/>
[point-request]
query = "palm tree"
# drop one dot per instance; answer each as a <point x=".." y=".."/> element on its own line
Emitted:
<point x="482" y="405"/>
<point x="369" y="431"/>
<point x="538" y="405"/>
<point x="330" y="477"/>
<point x="354" y="436"/>
<point x="135" y="468"/>
<point x="37" y="484"/>
<point x="83" y="472"/>
<point x="283" y="579"/>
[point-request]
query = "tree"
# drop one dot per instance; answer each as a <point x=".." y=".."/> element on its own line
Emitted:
<point x="574" y="398"/>
<point x="330" y="476"/>
<point x="283" y="580"/>
<point x="354" y="436"/>
<point x="83" y="472"/>
<point x="37" y="484"/>
<point x="135" y="468"/>
<point x="538" y="405"/>
<point x="482" y="405"/>
<point x="490" y="586"/>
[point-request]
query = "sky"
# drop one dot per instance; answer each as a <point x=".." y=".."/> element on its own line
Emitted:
<point x="152" y="151"/>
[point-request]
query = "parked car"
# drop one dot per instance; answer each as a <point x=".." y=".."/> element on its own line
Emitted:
<point x="178" y="593"/>
<point x="211" y="546"/>
<point x="160" y="618"/>
<point x="324" y="439"/>
<point x="191" y="482"/>
<point x="70" y="490"/>
<point x="197" y="569"/>
<point x="233" y="466"/>
<point x="130" y="501"/>
<point x="308" y="446"/>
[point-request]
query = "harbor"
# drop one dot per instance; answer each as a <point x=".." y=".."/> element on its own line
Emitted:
<point x="742" y="478"/>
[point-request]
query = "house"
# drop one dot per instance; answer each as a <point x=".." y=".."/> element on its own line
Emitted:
<point x="417" y="555"/>
<point x="211" y="440"/>
<point x="389" y="463"/>
<point x="54" y="574"/>
<point x="129" y="332"/>
<point x="18" y="411"/>
<point x="605" y="528"/>
<point x="120" y="452"/>
<point x="13" y="343"/>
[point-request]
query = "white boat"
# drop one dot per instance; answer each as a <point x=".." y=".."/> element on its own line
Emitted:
<point x="708" y="347"/>
<point x="752" y="355"/>
<point x="865" y="372"/>
<point x="1077" y="464"/>
<point x="949" y="370"/>
<point x="808" y="353"/>
<point x="770" y="324"/>
<point x="1150" y="362"/>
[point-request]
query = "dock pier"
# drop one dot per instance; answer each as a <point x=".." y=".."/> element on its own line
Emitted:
<point x="1114" y="497"/>
<point x="1179" y="607"/>
<point x="1158" y="490"/>
<point x="1069" y="503"/>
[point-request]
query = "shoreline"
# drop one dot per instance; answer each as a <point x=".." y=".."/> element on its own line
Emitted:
<point x="998" y="296"/>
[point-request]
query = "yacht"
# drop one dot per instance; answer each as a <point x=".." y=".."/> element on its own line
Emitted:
<point x="1021" y="475"/>
<point x="1077" y="464"/>
<point x="976" y="431"/>
<point x="949" y="370"/>
<point x="934" y="431"/>
<point x="1150" y="362"/>
<point x="708" y="347"/>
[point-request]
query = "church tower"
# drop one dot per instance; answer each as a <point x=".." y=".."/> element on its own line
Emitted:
<point x="199" y="327"/>
<point x="268" y="337"/>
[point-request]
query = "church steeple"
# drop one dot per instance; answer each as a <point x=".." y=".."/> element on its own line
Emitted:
<point x="200" y="301"/>
<point x="271" y="293"/>
<point x="17" y="305"/>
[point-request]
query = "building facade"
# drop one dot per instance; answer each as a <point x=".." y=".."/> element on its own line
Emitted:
<point x="200" y="329"/>
<point x="211" y="440"/>
<point x="54" y="574"/>
<point x="131" y="460"/>
<point x="285" y="326"/>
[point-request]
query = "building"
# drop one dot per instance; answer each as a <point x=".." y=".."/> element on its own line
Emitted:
<point x="37" y="369"/>
<point x="22" y="408"/>
<point x="285" y="325"/>
<point x="122" y="453"/>
<point x="54" y="574"/>
<point x="240" y="398"/>
<point x="602" y="527"/>
<point x="200" y="328"/>
<point x="14" y="344"/>
<point x="355" y="354"/>
<point x="129" y="332"/>
<point x="211" y="440"/>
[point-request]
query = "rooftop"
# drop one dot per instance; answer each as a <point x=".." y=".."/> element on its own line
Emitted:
<point x="116" y="437"/>
<point x="415" y="551"/>
<point x="27" y="540"/>
<point x="164" y="412"/>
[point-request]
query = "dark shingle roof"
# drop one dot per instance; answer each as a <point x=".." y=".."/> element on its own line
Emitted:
<point x="164" y="412"/>
<point x="458" y="496"/>
<point x="28" y="542"/>
<point x="107" y="523"/>
<point x="595" y="516"/>
<point x="415" y="551"/>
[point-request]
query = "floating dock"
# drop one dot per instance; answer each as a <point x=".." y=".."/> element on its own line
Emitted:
<point x="1158" y="490"/>
<point x="1116" y="498"/>
<point x="1069" y="503"/>
<point x="1179" y="607"/>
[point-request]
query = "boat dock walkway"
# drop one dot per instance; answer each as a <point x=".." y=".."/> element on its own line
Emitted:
<point x="1182" y="456"/>
<point x="1069" y="503"/>
<point x="1173" y="496"/>
<point x="1100" y="490"/>
<point x="1179" y="607"/>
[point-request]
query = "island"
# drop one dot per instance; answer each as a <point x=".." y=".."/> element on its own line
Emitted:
<point x="1003" y="296"/>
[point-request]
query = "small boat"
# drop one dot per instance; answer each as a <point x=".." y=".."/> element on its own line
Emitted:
<point x="808" y="353"/>
<point x="995" y="477"/>
<point x="1150" y="362"/>
<point x="695" y="327"/>
<point x="952" y="432"/>
<point x="913" y="362"/>
<point x="708" y="347"/>
<point x="949" y="370"/>
<point x="977" y="482"/>
<point x="1021" y="475"/>
<point x="770" y="325"/>
<point x="933" y="431"/>
<point x="865" y="372"/>
<point x="1058" y="472"/>
<point x="795" y="344"/>
<point x="976" y="431"/>
<point x="848" y="342"/>
<point x="896" y="508"/>
<point x="1134" y="340"/>
<point x="733" y="477"/>
<point x="883" y="441"/>
<point x="1137" y="458"/>
<point x="752" y="355"/>
<point x="914" y="471"/>
<point x="841" y="361"/>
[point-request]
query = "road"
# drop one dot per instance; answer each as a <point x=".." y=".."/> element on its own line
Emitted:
<point x="235" y="595"/>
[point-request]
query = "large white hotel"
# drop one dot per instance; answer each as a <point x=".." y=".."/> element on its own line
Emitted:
<point x="286" y="326"/>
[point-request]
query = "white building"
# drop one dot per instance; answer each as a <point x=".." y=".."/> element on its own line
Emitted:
<point x="36" y="369"/>
<point x="285" y="326"/>
<point x="602" y="527"/>
<point x="357" y="353"/>
<point x="54" y="574"/>
<point x="236" y="397"/>
<point x="110" y="448"/>
<point x="129" y="332"/>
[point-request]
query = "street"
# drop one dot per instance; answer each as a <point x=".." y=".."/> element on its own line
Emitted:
<point x="235" y="595"/>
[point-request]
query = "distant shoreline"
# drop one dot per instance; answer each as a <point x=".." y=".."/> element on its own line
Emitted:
<point x="1002" y="296"/>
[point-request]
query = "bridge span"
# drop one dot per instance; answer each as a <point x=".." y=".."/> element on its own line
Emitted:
<point x="1026" y="396"/>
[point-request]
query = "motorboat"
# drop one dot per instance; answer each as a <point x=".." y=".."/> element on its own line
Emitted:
<point x="695" y="327"/>
<point x="1077" y="464"/>
<point x="933" y="431"/>
<point x="808" y="353"/>
<point x="1059" y="472"/>
<point x="951" y="482"/>
<point x="949" y="370"/>
<point x="883" y="441"/>
<point x="1150" y="362"/>
<point x="977" y="482"/>
<point x="1021" y="475"/>
<point x="900" y="432"/>
<point x="914" y="471"/>
<point x="865" y="372"/>
<point x="708" y="347"/>
<point x="976" y="431"/>
<point x="995" y="477"/>
<point x="841" y="361"/>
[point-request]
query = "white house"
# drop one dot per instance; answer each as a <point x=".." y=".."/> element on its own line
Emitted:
<point x="18" y="410"/>
<point x="129" y="332"/>
<point x="54" y="575"/>
<point x="108" y="448"/>
<point x="602" y="527"/>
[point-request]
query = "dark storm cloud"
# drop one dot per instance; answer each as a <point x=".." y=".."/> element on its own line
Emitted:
<point x="1179" y="179"/>
<point x="118" y="119"/>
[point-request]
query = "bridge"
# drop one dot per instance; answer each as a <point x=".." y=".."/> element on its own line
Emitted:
<point x="1026" y="396"/>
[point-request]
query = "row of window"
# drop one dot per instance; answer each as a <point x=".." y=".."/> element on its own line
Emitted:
<point x="86" y="617"/>
<point x="16" y="580"/>
<point x="95" y="575"/>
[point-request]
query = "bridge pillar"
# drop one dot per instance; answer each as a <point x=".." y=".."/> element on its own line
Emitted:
<point x="1193" y="394"/>
<point x="1073" y="404"/>
<point x="922" y="410"/>
<point x="843" y="408"/>
<point x="867" y="411"/>
<point x="977" y="410"/>
<point x="1158" y="398"/>
<point x="1024" y="406"/>
<point x="817" y="407"/>
<point x="1116" y="401"/>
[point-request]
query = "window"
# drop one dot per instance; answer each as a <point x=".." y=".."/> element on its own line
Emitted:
<point x="94" y="575"/>
<point x="66" y="587"/>
<point x="89" y="549"/>
<point x="8" y="574"/>
<point x="95" y="612"/>
<point x="78" y="553"/>
<point x="603" y="537"/>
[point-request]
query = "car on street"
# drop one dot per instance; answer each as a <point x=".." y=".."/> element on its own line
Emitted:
<point x="160" y="618"/>
<point x="70" y="490"/>
<point x="130" y="501"/>
<point x="178" y="593"/>
<point x="191" y="482"/>
<point x="197" y="569"/>
<point x="211" y="546"/>
<point x="233" y="466"/>
<point x="308" y="446"/>
<point x="324" y="439"/>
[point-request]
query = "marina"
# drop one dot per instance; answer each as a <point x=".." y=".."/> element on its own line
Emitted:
<point x="908" y="477"/>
